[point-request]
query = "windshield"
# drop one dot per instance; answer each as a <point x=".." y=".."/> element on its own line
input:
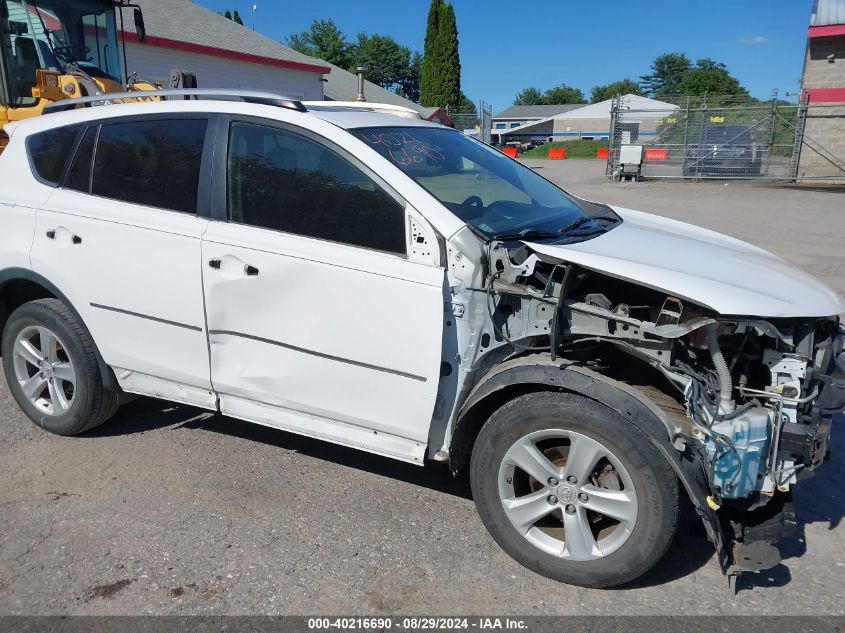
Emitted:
<point x="728" y="134"/>
<point x="483" y="187"/>
<point x="51" y="34"/>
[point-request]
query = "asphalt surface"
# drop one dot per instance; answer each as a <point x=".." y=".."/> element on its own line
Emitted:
<point x="169" y="510"/>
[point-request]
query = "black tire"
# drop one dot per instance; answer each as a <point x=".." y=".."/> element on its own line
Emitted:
<point x="654" y="481"/>
<point x="92" y="404"/>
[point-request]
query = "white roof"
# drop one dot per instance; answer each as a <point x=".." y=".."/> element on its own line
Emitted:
<point x="644" y="107"/>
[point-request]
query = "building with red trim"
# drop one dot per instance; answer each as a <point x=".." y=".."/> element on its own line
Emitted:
<point x="823" y="85"/>
<point x="222" y="54"/>
<point x="182" y="34"/>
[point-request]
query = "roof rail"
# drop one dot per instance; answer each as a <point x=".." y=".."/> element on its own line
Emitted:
<point x="367" y="106"/>
<point x="249" y="96"/>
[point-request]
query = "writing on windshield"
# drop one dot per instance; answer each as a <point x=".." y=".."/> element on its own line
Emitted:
<point x="402" y="147"/>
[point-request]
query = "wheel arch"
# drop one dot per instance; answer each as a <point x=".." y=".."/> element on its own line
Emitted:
<point x="20" y="285"/>
<point x="538" y="373"/>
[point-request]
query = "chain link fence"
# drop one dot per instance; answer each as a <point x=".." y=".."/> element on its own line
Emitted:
<point x="479" y="122"/>
<point x="714" y="137"/>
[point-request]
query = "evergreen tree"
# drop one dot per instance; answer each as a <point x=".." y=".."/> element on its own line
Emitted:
<point x="450" y="78"/>
<point x="237" y="18"/>
<point x="431" y="57"/>
<point x="227" y="14"/>
<point x="323" y="40"/>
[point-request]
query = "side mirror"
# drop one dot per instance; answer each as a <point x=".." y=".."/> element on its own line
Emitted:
<point x="140" y="29"/>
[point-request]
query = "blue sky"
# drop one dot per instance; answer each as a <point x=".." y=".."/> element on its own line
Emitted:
<point x="507" y="45"/>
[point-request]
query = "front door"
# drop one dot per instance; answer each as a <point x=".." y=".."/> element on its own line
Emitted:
<point x="318" y="322"/>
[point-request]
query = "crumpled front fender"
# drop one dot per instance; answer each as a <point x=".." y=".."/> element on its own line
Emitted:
<point x="538" y="370"/>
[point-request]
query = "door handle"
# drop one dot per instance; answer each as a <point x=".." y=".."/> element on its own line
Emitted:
<point x="51" y="234"/>
<point x="215" y="263"/>
<point x="75" y="239"/>
<point x="250" y="271"/>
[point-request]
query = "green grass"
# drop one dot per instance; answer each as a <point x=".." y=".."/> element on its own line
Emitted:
<point x="574" y="149"/>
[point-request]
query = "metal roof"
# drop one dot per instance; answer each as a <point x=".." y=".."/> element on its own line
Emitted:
<point x="828" y="12"/>
<point x="189" y="23"/>
<point x="536" y="111"/>
<point x="342" y="85"/>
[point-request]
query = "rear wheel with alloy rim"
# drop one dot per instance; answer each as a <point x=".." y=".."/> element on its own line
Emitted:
<point x="572" y="490"/>
<point x="51" y="367"/>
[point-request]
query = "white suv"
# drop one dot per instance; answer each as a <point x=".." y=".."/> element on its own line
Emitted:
<point x="395" y="286"/>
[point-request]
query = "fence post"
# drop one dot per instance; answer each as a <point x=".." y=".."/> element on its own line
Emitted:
<point x="798" y="140"/>
<point x="686" y="134"/>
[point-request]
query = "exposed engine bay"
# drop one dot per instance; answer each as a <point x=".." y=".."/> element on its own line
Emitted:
<point x="750" y="399"/>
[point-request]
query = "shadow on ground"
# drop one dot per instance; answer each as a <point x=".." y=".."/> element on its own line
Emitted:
<point x="819" y="498"/>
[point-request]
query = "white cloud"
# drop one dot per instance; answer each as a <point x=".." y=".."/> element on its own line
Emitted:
<point x="755" y="41"/>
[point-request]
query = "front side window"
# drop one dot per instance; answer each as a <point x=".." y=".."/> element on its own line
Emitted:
<point x="49" y="151"/>
<point x="283" y="181"/>
<point x="155" y="163"/>
<point x="484" y="188"/>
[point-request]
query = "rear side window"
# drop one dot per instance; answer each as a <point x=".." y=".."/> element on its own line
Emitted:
<point x="79" y="173"/>
<point x="49" y="151"/>
<point x="286" y="182"/>
<point x="154" y="163"/>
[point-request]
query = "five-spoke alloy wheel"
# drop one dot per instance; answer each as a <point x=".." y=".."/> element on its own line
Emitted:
<point x="43" y="370"/>
<point x="52" y="369"/>
<point x="572" y="490"/>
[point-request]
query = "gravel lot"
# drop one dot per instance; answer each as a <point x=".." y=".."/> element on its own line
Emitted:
<point x="167" y="509"/>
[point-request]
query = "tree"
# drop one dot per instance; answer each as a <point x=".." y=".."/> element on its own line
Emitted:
<point x="563" y="94"/>
<point x="667" y="72"/>
<point x="529" y="96"/>
<point x="409" y="85"/>
<point x="450" y="79"/>
<point x="227" y="14"/>
<point x="466" y="105"/>
<point x="440" y="83"/>
<point x="431" y="58"/>
<point x="385" y="61"/>
<point x="608" y="91"/>
<point x="237" y="18"/>
<point x="325" y="41"/>
<point x="710" y="77"/>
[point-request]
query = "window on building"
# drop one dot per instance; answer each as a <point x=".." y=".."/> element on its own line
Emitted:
<point x="79" y="172"/>
<point x="49" y="151"/>
<point x="154" y="163"/>
<point x="513" y="125"/>
<point x="500" y="126"/>
<point x="283" y="181"/>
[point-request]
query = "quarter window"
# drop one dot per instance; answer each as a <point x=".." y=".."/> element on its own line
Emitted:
<point x="154" y="163"/>
<point x="283" y="181"/>
<point x="79" y="173"/>
<point x="49" y="151"/>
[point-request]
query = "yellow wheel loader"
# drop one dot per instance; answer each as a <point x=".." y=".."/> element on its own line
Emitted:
<point x="65" y="49"/>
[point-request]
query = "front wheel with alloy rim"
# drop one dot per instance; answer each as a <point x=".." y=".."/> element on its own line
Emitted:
<point x="572" y="490"/>
<point x="51" y="367"/>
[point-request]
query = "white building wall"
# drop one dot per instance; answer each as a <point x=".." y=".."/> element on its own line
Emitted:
<point x="155" y="63"/>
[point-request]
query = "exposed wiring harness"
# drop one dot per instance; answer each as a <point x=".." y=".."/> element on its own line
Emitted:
<point x="702" y="395"/>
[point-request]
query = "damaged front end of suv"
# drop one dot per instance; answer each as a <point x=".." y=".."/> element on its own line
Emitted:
<point x="746" y="396"/>
<point x="586" y="347"/>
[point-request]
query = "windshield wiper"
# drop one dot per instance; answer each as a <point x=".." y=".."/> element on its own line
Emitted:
<point x="539" y="234"/>
<point x="586" y="220"/>
<point x="526" y="234"/>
